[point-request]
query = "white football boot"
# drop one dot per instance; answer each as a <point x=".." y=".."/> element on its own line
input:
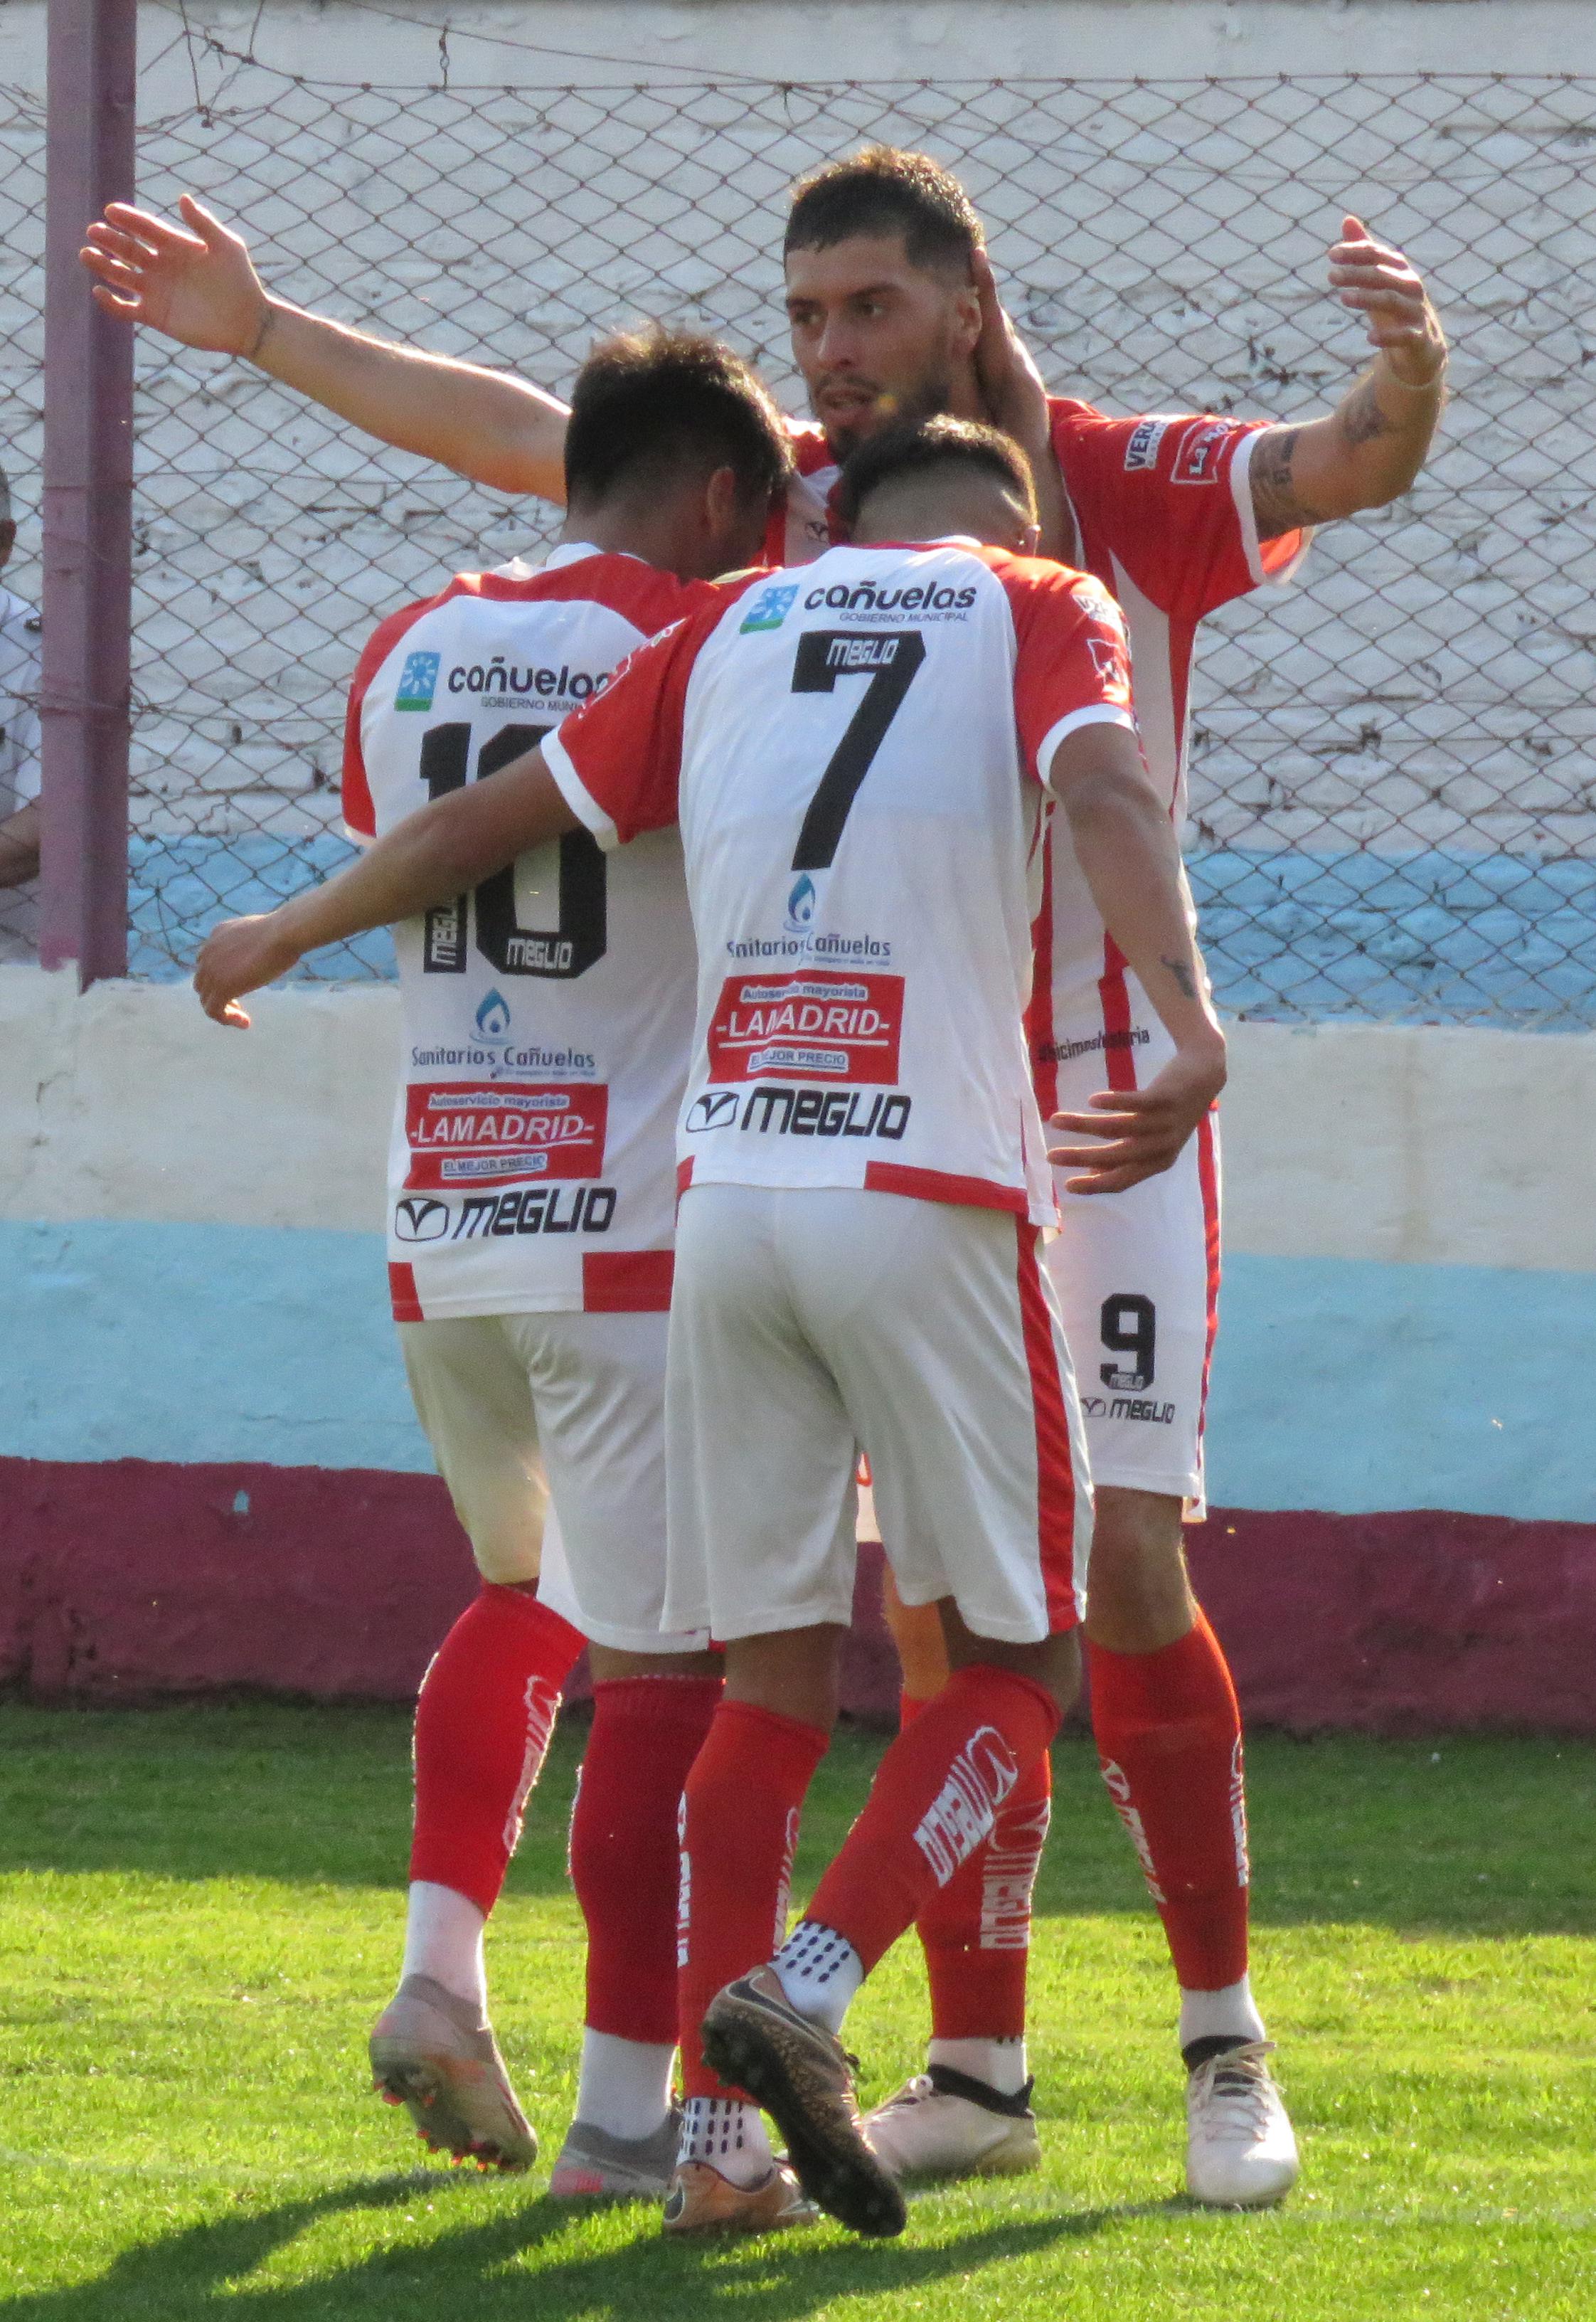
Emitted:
<point x="944" y="2123"/>
<point x="1241" y="2152"/>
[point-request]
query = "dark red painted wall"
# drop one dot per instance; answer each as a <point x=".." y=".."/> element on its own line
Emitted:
<point x="125" y="1581"/>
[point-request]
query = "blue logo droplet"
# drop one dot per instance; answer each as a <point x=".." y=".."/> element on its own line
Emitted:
<point x="800" y="905"/>
<point x="493" y="1017"/>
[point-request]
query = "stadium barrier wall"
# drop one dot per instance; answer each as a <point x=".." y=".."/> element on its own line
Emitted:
<point x="210" y="1474"/>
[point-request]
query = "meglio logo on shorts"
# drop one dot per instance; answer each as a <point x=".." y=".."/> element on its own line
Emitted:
<point x="844" y="1027"/>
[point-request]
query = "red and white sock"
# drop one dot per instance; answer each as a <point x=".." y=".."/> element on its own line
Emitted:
<point x="626" y="1869"/>
<point x="740" y="1814"/>
<point x="935" y="1800"/>
<point x="740" y="1821"/>
<point x="976" y="1935"/>
<point x="1169" y="1741"/>
<point x="482" y="1724"/>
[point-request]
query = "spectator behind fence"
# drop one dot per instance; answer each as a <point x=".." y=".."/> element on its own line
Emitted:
<point x="19" y="753"/>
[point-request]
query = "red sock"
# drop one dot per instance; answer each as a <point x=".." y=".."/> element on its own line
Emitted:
<point x="482" y="1724"/>
<point x="934" y="1800"/>
<point x="625" y="1859"/>
<point x="740" y="1819"/>
<point x="1168" y="1741"/>
<point x="976" y="1931"/>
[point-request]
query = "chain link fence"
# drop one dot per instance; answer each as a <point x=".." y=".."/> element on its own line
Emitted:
<point x="1394" y="789"/>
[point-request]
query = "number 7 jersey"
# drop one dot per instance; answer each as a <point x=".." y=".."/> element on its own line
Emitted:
<point x="547" y="1017"/>
<point x="854" y="751"/>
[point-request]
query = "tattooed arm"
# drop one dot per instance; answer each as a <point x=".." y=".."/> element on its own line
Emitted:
<point x="1370" y="448"/>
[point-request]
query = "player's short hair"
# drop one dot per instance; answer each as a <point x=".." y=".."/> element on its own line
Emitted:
<point x="651" y="406"/>
<point x="928" y="445"/>
<point x="883" y="189"/>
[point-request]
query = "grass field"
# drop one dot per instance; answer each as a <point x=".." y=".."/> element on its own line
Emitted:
<point x="199" y="1912"/>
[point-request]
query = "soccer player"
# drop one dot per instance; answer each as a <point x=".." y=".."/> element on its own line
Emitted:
<point x="858" y="754"/>
<point x="892" y="310"/>
<point x="547" y="1018"/>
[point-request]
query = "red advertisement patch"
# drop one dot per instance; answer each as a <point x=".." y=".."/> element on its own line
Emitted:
<point x="810" y="1025"/>
<point x="494" y="1133"/>
<point x="1196" y="456"/>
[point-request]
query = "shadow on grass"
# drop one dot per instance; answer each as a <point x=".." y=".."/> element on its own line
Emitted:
<point x="497" y="2268"/>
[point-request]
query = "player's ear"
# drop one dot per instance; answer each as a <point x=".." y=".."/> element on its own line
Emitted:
<point x="721" y="499"/>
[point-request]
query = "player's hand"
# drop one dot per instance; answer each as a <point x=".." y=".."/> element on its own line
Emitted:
<point x="240" y="956"/>
<point x="1139" y="1132"/>
<point x="198" y="287"/>
<point x="1378" y="282"/>
<point x="1011" y="385"/>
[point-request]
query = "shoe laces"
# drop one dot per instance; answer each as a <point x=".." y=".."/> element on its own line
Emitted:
<point x="1233" y="2093"/>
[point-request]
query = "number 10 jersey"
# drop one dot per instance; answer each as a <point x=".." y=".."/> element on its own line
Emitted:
<point x="547" y="1017"/>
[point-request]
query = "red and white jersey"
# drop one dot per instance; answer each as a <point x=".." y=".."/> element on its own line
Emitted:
<point x="1163" y="517"/>
<point x="853" y="750"/>
<point x="547" y="1016"/>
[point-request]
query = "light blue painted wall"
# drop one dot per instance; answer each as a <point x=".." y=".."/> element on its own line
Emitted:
<point x="1340" y="1384"/>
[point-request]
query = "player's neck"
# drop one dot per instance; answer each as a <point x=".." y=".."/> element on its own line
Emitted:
<point x="625" y="528"/>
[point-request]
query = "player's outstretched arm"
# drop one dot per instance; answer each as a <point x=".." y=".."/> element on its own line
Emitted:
<point x="1370" y="448"/>
<point x="197" y="284"/>
<point x="1126" y="845"/>
<point x="451" y="844"/>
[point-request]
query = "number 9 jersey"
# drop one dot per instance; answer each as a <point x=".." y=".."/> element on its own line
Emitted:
<point x="547" y="1017"/>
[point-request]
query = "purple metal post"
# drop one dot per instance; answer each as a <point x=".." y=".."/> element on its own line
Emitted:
<point x="88" y="449"/>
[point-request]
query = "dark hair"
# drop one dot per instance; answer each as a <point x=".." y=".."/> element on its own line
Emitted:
<point x="650" y="406"/>
<point x="923" y="446"/>
<point x="885" y="190"/>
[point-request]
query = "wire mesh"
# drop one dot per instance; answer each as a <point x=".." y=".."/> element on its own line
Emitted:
<point x="1394" y="789"/>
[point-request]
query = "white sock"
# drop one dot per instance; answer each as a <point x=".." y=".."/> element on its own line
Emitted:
<point x="820" y="1971"/>
<point x="1000" y="2063"/>
<point x="1228" y="2014"/>
<point x="444" y="1939"/>
<point x="729" y="2135"/>
<point x="624" y="2086"/>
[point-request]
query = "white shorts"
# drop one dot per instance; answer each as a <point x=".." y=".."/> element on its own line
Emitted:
<point x="808" y="1325"/>
<point x="1137" y="1278"/>
<point x="509" y="1399"/>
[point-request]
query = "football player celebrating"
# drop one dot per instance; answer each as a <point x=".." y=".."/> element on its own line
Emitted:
<point x="547" y="1020"/>
<point x="858" y="754"/>
<point x="893" y="311"/>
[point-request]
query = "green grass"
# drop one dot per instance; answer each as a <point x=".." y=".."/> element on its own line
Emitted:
<point x="200" y="1910"/>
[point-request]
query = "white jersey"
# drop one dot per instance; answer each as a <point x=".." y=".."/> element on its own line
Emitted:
<point x="547" y="1017"/>
<point x="853" y="750"/>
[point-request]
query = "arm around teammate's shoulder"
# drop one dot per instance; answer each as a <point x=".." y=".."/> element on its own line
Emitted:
<point x="197" y="283"/>
<point x="1126" y="845"/>
<point x="453" y="844"/>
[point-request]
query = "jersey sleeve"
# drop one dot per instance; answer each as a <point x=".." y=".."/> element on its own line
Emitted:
<point x="618" y="759"/>
<point x="1169" y="496"/>
<point x="1073" y="665"/>
<point x="360" y="814"/>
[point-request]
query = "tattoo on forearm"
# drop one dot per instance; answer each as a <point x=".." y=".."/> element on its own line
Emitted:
<point x="1277" y="505"/>
<point x="1181" y="974"/>
<point x="1361" y="419"/>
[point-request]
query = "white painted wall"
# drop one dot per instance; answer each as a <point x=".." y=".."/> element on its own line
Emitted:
<point x="1346" y="1142"/>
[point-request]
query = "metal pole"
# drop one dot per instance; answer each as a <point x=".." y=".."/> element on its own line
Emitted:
<point x="88" y="399"/>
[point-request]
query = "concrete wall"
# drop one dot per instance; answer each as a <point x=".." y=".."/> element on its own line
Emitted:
<point x="198" y="1379"/>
